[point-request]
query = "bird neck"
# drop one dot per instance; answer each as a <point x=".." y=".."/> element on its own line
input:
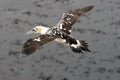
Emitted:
<point x="44" y="30"/>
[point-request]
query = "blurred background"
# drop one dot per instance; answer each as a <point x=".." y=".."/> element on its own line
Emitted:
<point x="100" y="27"/>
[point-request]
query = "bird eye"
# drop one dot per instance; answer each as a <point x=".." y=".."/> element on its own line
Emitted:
<point x="33" y="29"/>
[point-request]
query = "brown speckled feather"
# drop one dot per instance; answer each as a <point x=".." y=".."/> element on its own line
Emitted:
<point x="31" y="45"/>
<point x="70" y="17"/>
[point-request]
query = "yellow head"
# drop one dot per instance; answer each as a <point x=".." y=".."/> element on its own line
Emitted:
<point x="35" y="30"/>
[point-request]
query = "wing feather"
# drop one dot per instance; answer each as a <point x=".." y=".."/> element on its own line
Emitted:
<point x="31" y="45"/>
<point x="70" y="17"/>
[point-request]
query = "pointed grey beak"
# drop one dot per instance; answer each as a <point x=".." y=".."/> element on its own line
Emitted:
<point x="29" y="32"/>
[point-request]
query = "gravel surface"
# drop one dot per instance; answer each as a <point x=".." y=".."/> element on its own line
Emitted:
<point x="100" y="28"/>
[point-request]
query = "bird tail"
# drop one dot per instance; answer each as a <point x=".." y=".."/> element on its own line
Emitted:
<point x="79" y="47"/>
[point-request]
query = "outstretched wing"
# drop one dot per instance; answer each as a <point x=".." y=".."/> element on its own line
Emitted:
<point x="70" y="17"/>
<point x="32" y="45"/>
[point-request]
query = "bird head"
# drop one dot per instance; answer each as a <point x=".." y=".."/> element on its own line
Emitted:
<point x="35" y="30"/>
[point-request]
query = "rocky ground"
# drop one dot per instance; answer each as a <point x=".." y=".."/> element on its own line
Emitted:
<point x="100" y="28"/>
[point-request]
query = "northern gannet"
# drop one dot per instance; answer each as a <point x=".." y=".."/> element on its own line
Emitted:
<point x="60" y="33"/>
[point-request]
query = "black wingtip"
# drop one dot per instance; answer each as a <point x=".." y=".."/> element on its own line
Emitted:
<point x="81" y="11"/>
<point x="88" y="8"/>
<point x="27" y="51"/>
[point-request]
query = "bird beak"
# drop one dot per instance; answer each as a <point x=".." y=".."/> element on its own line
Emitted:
<point x="29" y="32"/>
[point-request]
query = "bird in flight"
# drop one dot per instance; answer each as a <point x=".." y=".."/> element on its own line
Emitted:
<point x="60" y="33"/>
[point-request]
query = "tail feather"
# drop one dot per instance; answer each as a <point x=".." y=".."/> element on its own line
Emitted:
<point x="80" y="47"/>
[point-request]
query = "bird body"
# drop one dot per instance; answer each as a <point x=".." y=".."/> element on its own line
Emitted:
<point x="60" y="33"/>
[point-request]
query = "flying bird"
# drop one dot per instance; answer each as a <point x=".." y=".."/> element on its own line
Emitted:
<point x="60" y="33"/>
